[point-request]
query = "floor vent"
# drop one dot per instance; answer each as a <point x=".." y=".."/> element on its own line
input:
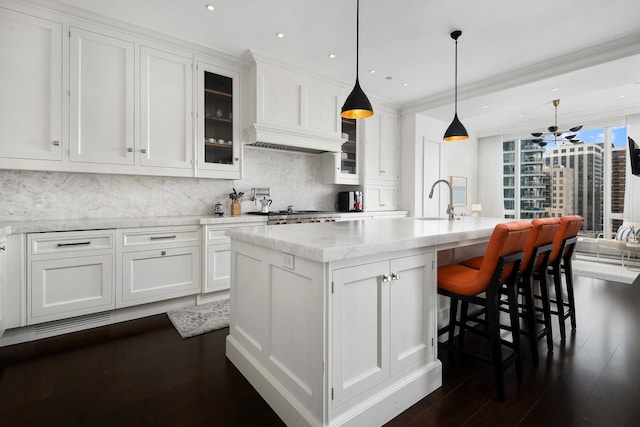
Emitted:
<point x="73" y="324"/>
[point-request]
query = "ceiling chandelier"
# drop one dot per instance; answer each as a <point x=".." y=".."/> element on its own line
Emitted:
<point x="553" y="130"/>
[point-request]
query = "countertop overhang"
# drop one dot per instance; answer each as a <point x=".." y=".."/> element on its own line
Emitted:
<point x="326" y="242"/>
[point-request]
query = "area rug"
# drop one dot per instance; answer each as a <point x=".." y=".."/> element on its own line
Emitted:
<point x="603" y="271"/>
<point x="200" y="319"/>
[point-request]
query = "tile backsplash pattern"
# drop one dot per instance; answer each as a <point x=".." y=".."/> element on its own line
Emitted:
<point x="294" y="178"/>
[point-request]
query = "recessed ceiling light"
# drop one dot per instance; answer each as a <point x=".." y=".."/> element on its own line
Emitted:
<point x="372" y="71"/>
<point x="621" y="96"/>
<point x="210" y="7"/>
<point x="485" y="106"/>
<point x="279" y="35"/>
<point x="332" y="55"/>
<point x="555" y="89"/>
<point x="405" y="84"/>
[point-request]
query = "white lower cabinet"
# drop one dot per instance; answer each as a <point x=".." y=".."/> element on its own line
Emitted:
<point x="382" y="323"/>
<point x="217" y="265"/>
<point x="69" y="274"/>
<point x="157" y="263"/>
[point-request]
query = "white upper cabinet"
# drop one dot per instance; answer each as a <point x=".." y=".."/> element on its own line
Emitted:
<point x="382" y="147"/>
<point x="218" y="145"/>
<point x="30" y="87"/>
<point x="166" y="104"/>
<point x="290" y="108"/>
<point x="102" y="74"/>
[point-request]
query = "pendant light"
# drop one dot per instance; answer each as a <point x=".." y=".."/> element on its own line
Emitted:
<point x="357" y="105"/>
<point x="456" y="130"/>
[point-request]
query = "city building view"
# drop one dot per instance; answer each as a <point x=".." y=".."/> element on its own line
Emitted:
<point x="566" y="178"/>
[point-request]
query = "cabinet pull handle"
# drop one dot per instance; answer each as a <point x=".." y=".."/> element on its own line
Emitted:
<point x="395" y="276"/>
<point x="162" y="237"/>
<point x="56" y="143"/>
<point x="73" y="244"/>
<point x="386" y="278"/>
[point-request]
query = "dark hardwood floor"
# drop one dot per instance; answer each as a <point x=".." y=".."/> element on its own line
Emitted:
<point x="141" y="373"/>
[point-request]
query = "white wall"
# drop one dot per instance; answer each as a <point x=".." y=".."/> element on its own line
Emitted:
<point x="456" y="159"/>
<point x="294" y="179"/>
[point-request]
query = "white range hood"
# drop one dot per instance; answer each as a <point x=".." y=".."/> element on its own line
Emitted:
<point x="290" y="109"/>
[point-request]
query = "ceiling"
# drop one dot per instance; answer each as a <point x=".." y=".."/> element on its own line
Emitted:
<point x="511" y="54"/>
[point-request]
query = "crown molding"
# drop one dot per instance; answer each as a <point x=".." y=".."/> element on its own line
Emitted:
<point x="595" y="55"/>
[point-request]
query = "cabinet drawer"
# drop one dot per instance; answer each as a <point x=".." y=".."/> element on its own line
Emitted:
<point x="61" y="288"/>
<point x="160" y="236"/>
<point x="217" y="236"/>
<point x="70" y="241"/>
<point x="154" y="275"/>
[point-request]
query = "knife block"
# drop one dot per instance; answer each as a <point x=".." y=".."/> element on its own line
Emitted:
<point x="235" y="209"/>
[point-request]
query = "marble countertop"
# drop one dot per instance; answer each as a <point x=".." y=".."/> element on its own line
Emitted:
<point x="326" y="242"/>
<point x="38" y="226"/>
<point x="47" y="225"/>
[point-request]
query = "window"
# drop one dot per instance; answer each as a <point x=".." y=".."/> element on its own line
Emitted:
<point x="568" y="179"/>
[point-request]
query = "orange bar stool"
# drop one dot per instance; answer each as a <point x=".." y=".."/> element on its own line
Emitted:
<point x="564" y="244"/>
<point x="499" y="268"/>
<point x="537" y="250"/>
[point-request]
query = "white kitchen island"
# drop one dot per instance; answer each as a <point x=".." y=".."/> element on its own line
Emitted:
<point x="335" y="324"/>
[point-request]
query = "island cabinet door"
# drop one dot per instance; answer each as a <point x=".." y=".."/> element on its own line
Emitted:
<point x="360" y="330"/>
<point x="411" y="308"/>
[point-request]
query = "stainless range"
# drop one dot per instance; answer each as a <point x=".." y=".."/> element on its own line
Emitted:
<point x="298" y="217"/>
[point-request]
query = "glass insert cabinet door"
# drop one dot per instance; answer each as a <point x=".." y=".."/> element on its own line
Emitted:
<point x="348" y="164"/>
<point x="218" y="136"/>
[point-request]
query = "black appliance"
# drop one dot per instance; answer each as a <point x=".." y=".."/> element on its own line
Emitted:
<point x="350" y="201"/>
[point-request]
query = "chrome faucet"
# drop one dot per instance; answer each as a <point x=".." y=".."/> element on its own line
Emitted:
<point x="450" y="206"/>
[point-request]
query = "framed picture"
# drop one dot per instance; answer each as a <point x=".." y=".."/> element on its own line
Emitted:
<point x="459" y="185"/>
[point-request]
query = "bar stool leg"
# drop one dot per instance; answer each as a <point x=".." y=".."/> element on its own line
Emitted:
<point x="568" y="273"/>
<point x="453" y="308"/>
<point x="546" y="308"/>
<point x="464" y="318"/>
<point x="512" y="296"/>
<point x="527" y="290"/>
<point x="557" y="281"/>
<point x="493" y="307"/>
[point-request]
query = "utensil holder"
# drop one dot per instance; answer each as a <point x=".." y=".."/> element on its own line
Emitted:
<point x="235" y="208"/>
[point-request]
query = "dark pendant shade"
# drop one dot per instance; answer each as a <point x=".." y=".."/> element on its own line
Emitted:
<point x="357" y="105"/>
<point x="456" y="131"/>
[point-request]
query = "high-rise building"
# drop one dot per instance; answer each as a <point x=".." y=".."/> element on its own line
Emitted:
<point x="560" y="191"/>
<point x="527" y="181"/>
<point x="618" y="182"/>
<point x="586" y="162"/>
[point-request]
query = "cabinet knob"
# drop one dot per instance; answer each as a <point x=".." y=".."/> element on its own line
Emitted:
<point x="143" y="150"/>
<point x="130" y="150"/>
<point x="386" y="278"/>
<point x="3" y="248"/>
<point x="236" y="159"/>
<point x="55" y="143"/>
<point x="163" y="253"/>
<point x="395" y="276"/>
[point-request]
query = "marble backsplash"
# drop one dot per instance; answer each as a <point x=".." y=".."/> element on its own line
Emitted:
<point x="294" y="178"/>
